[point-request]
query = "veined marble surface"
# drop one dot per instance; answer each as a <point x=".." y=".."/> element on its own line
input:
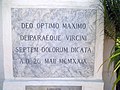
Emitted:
<point x="53" y="42"/>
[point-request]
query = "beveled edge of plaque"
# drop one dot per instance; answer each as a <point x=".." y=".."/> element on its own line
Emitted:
<point x="8" y="73"/>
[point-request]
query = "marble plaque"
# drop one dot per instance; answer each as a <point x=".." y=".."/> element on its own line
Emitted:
<point x="54" y="88"/>
<point x="53" y="42"/>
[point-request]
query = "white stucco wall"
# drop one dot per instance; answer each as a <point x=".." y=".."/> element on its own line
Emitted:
<point x="1" y="49"/>
<point x="107" y="47"/>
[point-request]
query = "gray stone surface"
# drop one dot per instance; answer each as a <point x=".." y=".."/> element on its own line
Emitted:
<point x="42" y="47"/>
<point x="53" y="88"/>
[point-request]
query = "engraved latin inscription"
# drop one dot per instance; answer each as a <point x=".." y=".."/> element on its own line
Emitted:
<point x="53" y="88"/>
<point x="53" y="42"/>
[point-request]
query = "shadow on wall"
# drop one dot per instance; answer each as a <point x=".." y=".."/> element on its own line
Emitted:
<point x="108" y="45"/>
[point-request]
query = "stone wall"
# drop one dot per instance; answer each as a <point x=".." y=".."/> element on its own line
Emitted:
<point x="107" y="46"/>
<point x="1" y="49"/>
